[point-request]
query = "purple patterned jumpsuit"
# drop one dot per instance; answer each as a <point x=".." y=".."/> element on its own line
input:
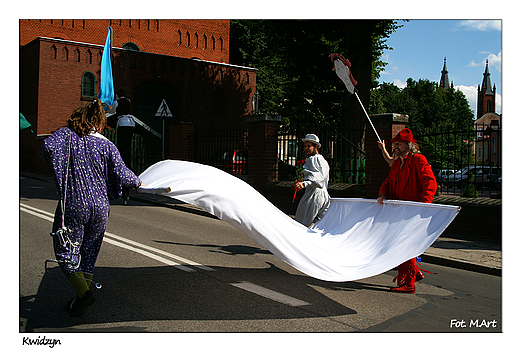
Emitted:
<point x="96" y="173"/>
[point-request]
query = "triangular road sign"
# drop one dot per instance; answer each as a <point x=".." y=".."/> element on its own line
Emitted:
<point x="164" y="110"/>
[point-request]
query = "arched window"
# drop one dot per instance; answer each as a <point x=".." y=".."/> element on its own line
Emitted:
<point x="54" y="51"/>
<point x="77" y="55"/>
<point x="131" y="46"/>
<point x="88" y="82"/>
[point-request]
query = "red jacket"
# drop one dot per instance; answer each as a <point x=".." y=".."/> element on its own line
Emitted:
<point x="414" y="181"/>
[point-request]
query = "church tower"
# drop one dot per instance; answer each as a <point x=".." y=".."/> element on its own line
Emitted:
<point x="445" y="81"/>
<point x="486" y="95"/>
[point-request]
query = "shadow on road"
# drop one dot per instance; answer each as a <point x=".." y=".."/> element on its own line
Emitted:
<point x="165" y="293"/>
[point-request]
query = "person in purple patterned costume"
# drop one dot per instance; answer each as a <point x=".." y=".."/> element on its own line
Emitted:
<point x="93" y="172"/>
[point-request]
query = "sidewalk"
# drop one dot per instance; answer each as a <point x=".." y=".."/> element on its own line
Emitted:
<point x="479" y="256"/>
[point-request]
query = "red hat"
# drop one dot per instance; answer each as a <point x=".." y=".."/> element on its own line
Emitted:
<point x="404" y="136"/>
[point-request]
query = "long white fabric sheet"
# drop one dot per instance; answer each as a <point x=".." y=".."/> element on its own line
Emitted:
<point x="356" y="239"/>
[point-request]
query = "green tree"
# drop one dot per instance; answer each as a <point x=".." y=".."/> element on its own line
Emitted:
<point x="295" y="76"/>
<point x="439" y="117"/>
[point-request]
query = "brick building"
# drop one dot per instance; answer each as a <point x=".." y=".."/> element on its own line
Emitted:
<point x="184" y="63"/>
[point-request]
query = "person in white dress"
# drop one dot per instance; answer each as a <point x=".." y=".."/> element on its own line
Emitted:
<point x="316" y="200"/>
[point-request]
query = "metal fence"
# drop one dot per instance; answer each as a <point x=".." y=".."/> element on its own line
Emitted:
<point x="465" y="162"/>
<point x="225" y="148"/>
<point x="145" y="150"/>
<point x="342" y="147"/>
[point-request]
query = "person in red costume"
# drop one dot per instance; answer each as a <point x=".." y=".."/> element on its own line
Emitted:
<point x="411" y="178"/>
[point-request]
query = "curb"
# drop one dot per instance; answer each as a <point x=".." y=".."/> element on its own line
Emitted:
<point x="459" y="264"/>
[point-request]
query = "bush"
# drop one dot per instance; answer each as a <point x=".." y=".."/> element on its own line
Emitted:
<point x="469" y="189"/>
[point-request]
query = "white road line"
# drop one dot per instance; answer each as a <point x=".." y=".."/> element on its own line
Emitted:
<point x="37" y="212"/>
<point x="111" y="238"/>
<point x="173" y="256"/>
<point x="275" y="296"/>
<point x="149" y="255"/>
<point x="131" y="245"/>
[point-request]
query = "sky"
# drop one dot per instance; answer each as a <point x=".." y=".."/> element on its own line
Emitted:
<point x="420" y="46"/>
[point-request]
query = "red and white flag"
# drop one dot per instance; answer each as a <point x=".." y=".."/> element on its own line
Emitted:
<point x="343" y="69"/>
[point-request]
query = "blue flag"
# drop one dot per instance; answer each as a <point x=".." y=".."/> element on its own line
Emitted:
<point x="106" y="85"/>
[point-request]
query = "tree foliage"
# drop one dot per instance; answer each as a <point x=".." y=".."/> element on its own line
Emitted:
<point x="295" y="77"/>
<point x="441" y="118"/>
<point x="427" y="105"/>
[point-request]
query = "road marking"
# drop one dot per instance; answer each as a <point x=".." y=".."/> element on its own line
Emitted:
<point x="37" y="212"/>
<point x="117" y="241"/>
<point x="146" y="251"/>
<point x="137" y="244"/>
<point x="275" y="296"/>
<point x="148" y="254"/>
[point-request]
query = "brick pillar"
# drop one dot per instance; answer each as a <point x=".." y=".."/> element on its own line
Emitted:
<point x="181" y="145"/>
<point x="262" y="149"/>
<point x="387" y="126"/>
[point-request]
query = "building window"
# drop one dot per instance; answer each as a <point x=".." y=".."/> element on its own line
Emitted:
<point x="131" y="46"/>
<point x="488" y="106"/>
<point x="54" y="51"/>
<point x="88" y="85"/>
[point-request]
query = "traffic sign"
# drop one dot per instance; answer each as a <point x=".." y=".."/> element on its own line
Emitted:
<point x="163" y="111"/>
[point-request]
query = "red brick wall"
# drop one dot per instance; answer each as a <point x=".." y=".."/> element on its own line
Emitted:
<point x="59" y="83"/>
<point x="51" y="72"/>
<point x="263" y="149"/>
<point x="208" y="39"/>
<point x="52" y="82"/>
<point x="180" y="148"/>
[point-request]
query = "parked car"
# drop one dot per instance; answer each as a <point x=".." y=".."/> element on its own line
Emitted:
<point x="443" y="175"/>
<point x="487" y="176"/>
<point x="483" y="176"/>
<point x="233" y="161"/>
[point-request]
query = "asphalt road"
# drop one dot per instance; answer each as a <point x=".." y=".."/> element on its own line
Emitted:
<point x="166" y="270"/>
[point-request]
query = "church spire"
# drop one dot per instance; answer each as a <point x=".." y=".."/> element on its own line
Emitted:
<point x="486" y="82"/>
<point x="486" y="95"/>
<point x="445" y="81"/>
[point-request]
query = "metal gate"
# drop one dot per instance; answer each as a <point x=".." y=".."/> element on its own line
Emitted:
<point x="342" y="147"/>
<point x="224" y="148"/>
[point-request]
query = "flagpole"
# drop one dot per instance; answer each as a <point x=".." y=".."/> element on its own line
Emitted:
<point x="371" y="124"/>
